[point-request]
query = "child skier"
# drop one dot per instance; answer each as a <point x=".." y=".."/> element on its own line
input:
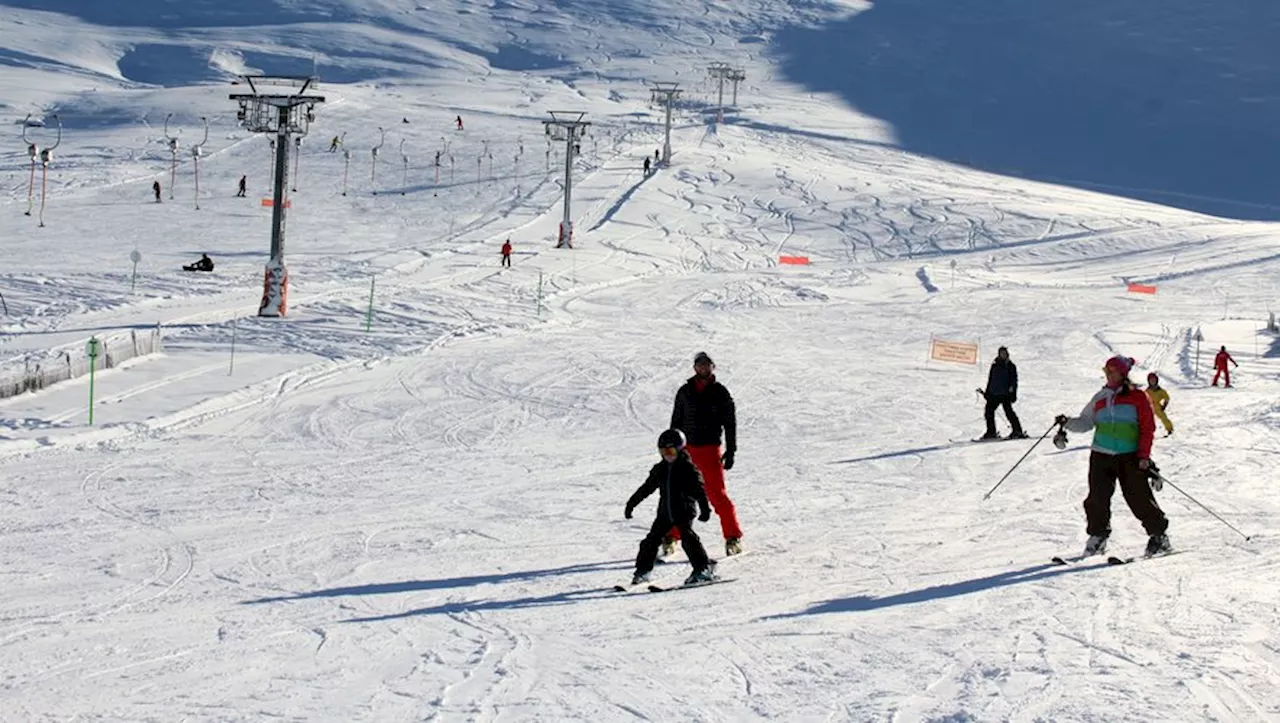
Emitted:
<point x="681" y="494"/>
<point x="1159" y="401"/>
<point x="1124" y="426"/>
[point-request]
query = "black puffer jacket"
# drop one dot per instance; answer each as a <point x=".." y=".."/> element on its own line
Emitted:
<point x="1002" y="381"/>
<point x="702" y="414"/>
<point x="680" y="487"/>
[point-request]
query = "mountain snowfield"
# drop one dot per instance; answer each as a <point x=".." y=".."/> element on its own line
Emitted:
<point x="421" y="519"/>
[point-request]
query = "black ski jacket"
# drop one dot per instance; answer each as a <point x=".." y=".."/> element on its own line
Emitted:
<point x="680" y="487"/>
<point x="1002" y="380"/>
<point x="701" y="414"/>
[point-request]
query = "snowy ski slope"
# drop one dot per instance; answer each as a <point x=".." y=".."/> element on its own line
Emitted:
<point x="423" y="521"/>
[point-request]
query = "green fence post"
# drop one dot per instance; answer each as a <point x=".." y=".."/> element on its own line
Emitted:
<point x="93" y="364"/>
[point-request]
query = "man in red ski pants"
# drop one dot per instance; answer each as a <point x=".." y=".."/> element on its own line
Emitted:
<point x="703" y="407"/>
<point x="1220" y="366"/>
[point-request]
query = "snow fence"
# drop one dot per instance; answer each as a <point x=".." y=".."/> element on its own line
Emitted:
<point x="60" y="365"/>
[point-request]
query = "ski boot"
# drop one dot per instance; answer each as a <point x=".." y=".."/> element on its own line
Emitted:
<point x="668" y="546"/>
<point x="732" y="546"/>
<point x="640" y="578"/>
<point x="705" y="575"/>
<point x="1158" y="545"/>
<point x="1097" y="545"/>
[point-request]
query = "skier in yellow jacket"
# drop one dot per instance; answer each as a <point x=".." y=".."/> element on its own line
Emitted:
<point x="1159" y="401"/>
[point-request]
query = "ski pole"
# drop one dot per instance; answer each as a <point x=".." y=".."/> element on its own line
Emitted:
<point x="1154" y="473"/>
<point x="1015" y="464"/>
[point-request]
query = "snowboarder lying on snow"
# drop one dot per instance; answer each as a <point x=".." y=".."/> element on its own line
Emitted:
<point x="681" y="494"/>
<point x="204" y="264"/>
<point x="1124" y="426"/>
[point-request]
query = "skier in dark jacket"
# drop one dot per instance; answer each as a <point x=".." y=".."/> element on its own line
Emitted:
<point x="703" y="407"/>
<point x="1002" y="391"/>
<point x="681" y="496"/>
<point x="155" y="188"/>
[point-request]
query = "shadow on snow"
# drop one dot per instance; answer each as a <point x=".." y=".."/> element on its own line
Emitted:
<point x="1172" y="102"/>
<point x="445" y="584"/>
<point x="863" y="603"/>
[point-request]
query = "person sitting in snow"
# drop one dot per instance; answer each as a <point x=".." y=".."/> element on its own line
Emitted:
<point x="204" y="264"/>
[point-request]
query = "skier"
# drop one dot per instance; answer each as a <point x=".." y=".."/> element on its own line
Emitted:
<point x="646" y="166"/>
<point x="656" y="155"/>
<point x="1124" y="426"/>
<point x="681" y="493"/>
<point x="458" y="120"/>
<point x="204" y="264"/>
<point x="703" y="406"/>
<point x="243" y="180"/>
<point x="155" y="188"/>
<point x="1220" y="367"/>
<point x="333" y="144"/>
<point x="506" y="253"/>
<point x="1159" y="401"/>
<point x="1002" y="391"/>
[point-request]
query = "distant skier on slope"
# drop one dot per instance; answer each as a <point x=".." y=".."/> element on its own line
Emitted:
<point x="1124" y="427"/>
<point x="646" y="166"/>
<point x="506" y="253"/>
<point x="681" y="496"/>
<point x="1220" y="366"/>
<point x="1159" y="401"/>
<point x="155" y="188"/>
<point x="1002" y="391"/>
<point x="458" y="120"/>
<point x="242" y="189"/>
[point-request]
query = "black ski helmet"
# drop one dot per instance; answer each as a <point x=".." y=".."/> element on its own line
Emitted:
<point x="671" y="438"/>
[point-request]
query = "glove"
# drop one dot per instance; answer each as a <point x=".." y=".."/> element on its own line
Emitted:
<point x="627" y="513"/>
<point x="1013" y="399"/>
<point x="704" y="514"/>
<point x="1060" y="420"/>
<point x="726" y="460"/>
<point x="1156" y="481"/>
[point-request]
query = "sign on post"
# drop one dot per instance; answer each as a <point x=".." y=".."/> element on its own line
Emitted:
<point x="953" y="352"/>
<point x="135" y="256"/>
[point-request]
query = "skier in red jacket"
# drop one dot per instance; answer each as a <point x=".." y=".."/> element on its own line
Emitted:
<point x="506" y="253"/>
<point x="1220" y="366"/>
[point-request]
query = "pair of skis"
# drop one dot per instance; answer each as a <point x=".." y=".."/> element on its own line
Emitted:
<point x="1112" y="559"/>
<point x="668" y="588"/>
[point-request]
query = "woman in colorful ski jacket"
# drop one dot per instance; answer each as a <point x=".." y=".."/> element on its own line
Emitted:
<point x="1123" y="425"/>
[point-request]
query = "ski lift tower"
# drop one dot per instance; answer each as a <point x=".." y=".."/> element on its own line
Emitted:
<point x="735" y="76"/>
<point x="569" y="127"/>
<point x="279" y="105"/>
<point x="720" y="72"/>
<point x="666" y="94"/>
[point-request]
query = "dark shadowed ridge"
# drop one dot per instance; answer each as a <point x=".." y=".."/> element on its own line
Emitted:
<point x="1174" y="102"/>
